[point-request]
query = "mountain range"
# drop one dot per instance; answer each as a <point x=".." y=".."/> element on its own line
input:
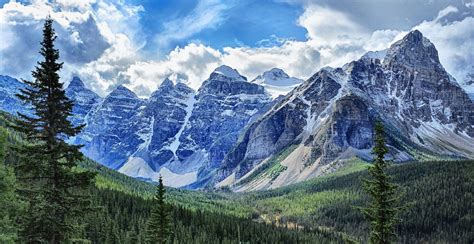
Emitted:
<point x="274" y="130"/>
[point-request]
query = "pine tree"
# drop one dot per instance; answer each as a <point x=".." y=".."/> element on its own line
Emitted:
<point x="9" y="201"/>
<point x="47" y="167"/>
<point x="158" y="225"/>
<point x="382" y="210"/>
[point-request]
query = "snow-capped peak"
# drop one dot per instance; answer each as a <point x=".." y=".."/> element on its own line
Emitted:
<point x="77" y="91"/>
<point x="277" y="82"/>
<point x="229" y="72"/>
<point x="275" y="74"/>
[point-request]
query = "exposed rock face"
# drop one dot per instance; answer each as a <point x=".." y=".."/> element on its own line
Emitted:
<point x="170" y="106"/>
<point x="224" y="105"/>
<point x="185" y="135"/>
<point x="10" y="86"/>
<point x="105" y="137"/>
<point x="332" y="114"/>
<point x="84" y="100"/>
<point x="177" y="132"/>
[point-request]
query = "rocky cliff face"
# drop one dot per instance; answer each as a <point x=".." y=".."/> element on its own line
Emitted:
<point x="105" y="137"/>
<point x="10" y="86"/>
<point x="186" y="134"/>
<point x="84" y="100"/>
<point x="330" y="117"/>
<point x="224" y="105"/>
<point x="159" y="126"/>
<point x="177" y="132"/>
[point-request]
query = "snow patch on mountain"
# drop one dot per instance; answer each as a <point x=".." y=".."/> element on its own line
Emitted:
<point x="228" y="72"/>
<point x="277" y="82"/>
<point x="137" y="167"/>
<point x="189" y="103"/>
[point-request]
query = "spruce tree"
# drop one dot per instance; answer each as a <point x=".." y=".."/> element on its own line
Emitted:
<point x="47" y="169"/>
<point x="158" y="225"/>
<point x="382" y="210"/>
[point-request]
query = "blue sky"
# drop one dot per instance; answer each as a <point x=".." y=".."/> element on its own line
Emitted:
<point x="243" y="22"/>
<point x="139" y="43"/>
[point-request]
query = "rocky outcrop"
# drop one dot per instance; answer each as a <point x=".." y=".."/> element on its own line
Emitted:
<point x="224" y="105"/>
<point x="9" y="87"/>
<point x="84" y="100"/>
<point x="106" y="136"/>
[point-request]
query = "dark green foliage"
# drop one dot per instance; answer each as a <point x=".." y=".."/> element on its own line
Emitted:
<point x="9" y="201"/>
<point x="158" y="229"/>
<point x="123" y="219"/>
<point x="46" y="164"/>
<point x="382" y="210"/>
<point x="437" y="195"/>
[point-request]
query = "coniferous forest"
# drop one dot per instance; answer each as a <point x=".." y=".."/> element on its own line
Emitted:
<point x="51" y="193"/>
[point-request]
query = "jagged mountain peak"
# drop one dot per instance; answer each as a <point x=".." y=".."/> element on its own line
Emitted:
<point x="167" y="83"/>
<point x="76" y="90"/>
<point x="330" y="118"/>
<point x="76" y="82"/>
<point x="165" y="86"/>
<point x="168" y="87"/>
<point x="122" y="91"/>
<point x="412" y="50"/>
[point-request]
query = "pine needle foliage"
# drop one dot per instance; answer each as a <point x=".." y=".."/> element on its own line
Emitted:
<point x="382" y="210"/>
<point x="47" y="165"/>
<point x="158" y="225"/>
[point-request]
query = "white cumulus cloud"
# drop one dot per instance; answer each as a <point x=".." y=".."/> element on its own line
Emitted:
<point x="102" y="41"/>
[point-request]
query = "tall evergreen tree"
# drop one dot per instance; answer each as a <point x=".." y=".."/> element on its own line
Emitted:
<point x="382" y="210"/>
<point x="47" y="168"/>
<point x="158" y="225"/>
